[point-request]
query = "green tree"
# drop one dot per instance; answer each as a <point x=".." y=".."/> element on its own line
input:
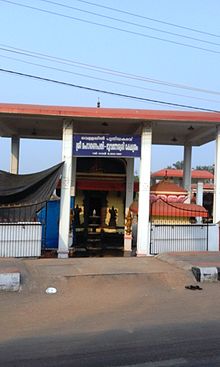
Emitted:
<point x="176" y="165"/>
<point x="206" y="168"/>
<point x="179" y="165"/>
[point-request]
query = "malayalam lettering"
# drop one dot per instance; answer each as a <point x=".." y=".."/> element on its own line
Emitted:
<point x="106" y="145"/>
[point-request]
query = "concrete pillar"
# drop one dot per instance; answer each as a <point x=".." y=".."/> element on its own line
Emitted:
<point x="143" y="232"/>
<point x="199" y="193"/>
<point x="216" y="202"/>
<point x="64" y="225"/>
<point x="15" y="149"/>
<point x="129" y="200"/>
<point x="199" y="198"/>
<point x="72" y="237"/>
<point x="187" y="160"/>
<point x="73" y="178"/>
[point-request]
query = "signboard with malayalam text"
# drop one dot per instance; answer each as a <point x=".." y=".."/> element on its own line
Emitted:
<point x="106" y="145"/>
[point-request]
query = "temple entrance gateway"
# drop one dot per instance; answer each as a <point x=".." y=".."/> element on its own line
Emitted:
<point x="100" y="198"/>
<point x="191" y="128"/>
<point x="105" y="162"/>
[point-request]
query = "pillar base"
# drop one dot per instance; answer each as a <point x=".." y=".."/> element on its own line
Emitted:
<point x="127" y="253"/>
<point x="142" y="255"/>
<point x="62" y="254"/>
<point x="127" y="243"/>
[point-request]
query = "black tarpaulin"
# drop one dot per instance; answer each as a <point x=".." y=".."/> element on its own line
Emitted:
<point x="21" y="196"/>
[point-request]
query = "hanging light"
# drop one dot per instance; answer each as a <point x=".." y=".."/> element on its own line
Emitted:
<point x="191" y="128"/>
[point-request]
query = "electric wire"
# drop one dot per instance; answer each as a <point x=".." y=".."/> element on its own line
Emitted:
<point x="107" y="80"/>
<point x="148" y="18"/>
<point x="103" y="91"/>
<point x="130" y="23"/>
<point x="104" y="70"/>
<point x="112" y="27"/>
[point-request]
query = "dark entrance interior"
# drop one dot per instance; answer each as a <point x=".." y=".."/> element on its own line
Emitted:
<point x="96" y="177"/>
<point x="95" y="204"/>
<point x="93" y="236"/>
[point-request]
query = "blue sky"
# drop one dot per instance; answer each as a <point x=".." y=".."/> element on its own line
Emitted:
<point x="87" y="48"/>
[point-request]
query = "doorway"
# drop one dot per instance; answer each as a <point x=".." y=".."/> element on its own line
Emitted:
<point x="95" y="205"/>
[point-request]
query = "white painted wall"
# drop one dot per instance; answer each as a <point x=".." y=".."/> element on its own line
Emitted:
<point x="213" y="239"/>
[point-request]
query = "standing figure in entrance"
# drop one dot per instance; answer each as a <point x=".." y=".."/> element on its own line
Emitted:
<point x="113" y="215"/>
<point x="76" y="217"/>
<point x="75" y="222"/>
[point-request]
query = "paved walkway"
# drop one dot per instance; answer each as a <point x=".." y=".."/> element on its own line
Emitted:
<point x="89" y="266"/>
<point x="113" y="265"/>
<point x="35" y="270"/>
<point x="101" y="266"/>
<point x="186" y="260"/>
<point x="173" y="265"/>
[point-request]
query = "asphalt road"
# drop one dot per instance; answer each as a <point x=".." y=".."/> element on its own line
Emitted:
<point x="148" y="320"/>
<point x="193" y="344"/>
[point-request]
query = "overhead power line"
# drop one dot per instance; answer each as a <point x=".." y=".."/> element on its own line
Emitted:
<point x="108" y="80"/>
<point x="103" y="70"/>
<point x="130" y="23"/>
<point x="148" y="18"/>
<point x="113" y="28"/>
<point x="36" y="77"/>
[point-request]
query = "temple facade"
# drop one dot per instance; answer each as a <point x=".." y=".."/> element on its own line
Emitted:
<point x="116" y="136"/>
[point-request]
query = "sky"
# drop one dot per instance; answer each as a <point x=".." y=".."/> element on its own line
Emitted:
<point x="166" y="51"/>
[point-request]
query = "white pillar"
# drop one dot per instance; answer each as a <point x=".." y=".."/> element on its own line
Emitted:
<point x="199" y="198"/>
<point x="73" y="178"/>
<point x="72" y="202"/>
<point x="216" y="203"/>
<point x="187" y="162"/>
<point x="129" y="199"/>
<point x="64" y="225"/>
<point x="15" y="149"/>
<point x="143" y="233"/>
<point x="199" y="193"/>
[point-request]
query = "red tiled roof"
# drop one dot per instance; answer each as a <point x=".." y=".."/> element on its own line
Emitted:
<point x="170" y="172"/>
<point x="163" y="209"/>
<point x="205" y="186"/>
<point x="118" y="113"/>
<point x="167" y="187"/>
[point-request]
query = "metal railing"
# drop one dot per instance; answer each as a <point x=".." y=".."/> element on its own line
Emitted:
<point x="20" y="239"/>
<point x="20" y="230"/>
<point x="178" y="238"/>
<point x="174" y="227"/>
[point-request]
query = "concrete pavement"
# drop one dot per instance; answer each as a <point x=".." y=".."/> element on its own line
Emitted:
<point x="175" y="266"/>
<point x="204" y="264"/>
<point x="186" y="260"/>
<point x="47" y="272"/>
